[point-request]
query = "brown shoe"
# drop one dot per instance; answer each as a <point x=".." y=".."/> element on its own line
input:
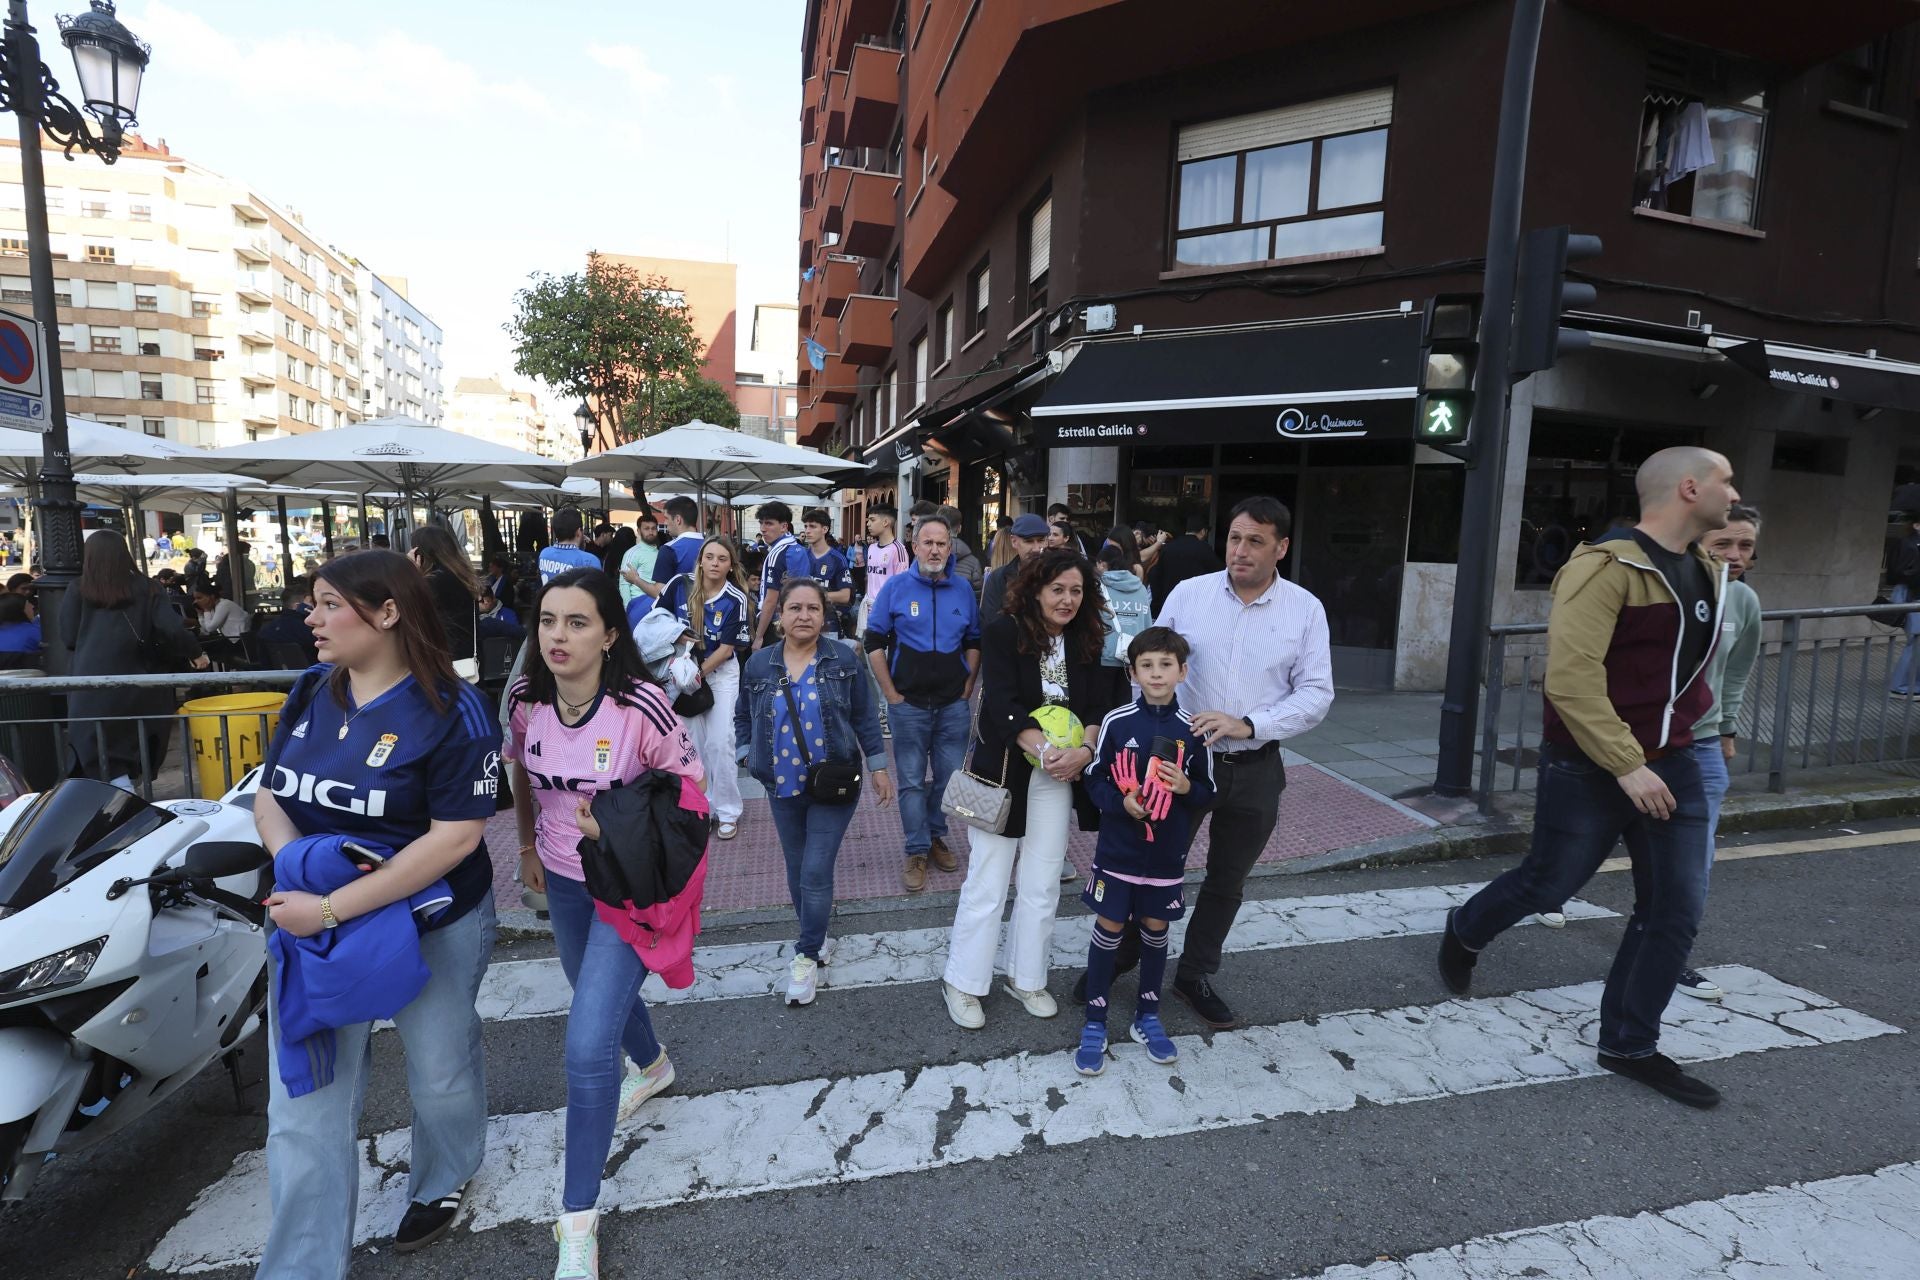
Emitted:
<point x="943" y="857"/>
<point x="914" y="875"/>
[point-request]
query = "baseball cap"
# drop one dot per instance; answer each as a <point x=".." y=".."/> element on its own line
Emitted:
<point x="1030" y="526"/>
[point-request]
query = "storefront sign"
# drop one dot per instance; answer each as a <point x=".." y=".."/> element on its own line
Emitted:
<point x="1239" y="424"/>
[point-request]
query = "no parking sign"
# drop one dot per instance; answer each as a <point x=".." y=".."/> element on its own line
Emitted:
<point x="23" y="363"/>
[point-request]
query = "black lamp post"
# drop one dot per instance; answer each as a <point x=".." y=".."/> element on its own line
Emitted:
<point x="583" y="418"/>
<point x="109" y="62"/>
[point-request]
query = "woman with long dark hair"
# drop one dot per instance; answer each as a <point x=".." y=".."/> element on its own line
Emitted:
<point x="383" y="745"/>
<point x="455" y="588"/>
<point x="1122" y="537"/>
<point x="1042" y="652"/>
<point x="810" y="702"/>
<point x="587" y="717"/>
<point x="114" y="624"/>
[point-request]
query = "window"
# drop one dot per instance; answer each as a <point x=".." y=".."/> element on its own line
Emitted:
<point x="204" y="306"/>
<point x="142" y="213"/>
<point x="209" y="353"/>
<point x="99" y="253"/>
<point x="898" y="392"/>
<point x="150" y="390"/>
<point x="919" y="351"/>
<point x="205" y="391"/>
<point x="943" y="334"/>
<point x="146" y="300"/>
<point x="93" y="209"/>
<point x="1036" y="252"/>
<point x="885" y="409"/>
<point x="1868" y="78"/>
<point x="890" y="288"/>
<point x="105" y="343"/>
<point x="154" y="426"/>
<point x="16" y="295"/>
<point x="12" y="247"/>
<point x="1289" y="183"/>
<point x="1703" y="128"/>
<point x="979" y="293"/>
<point x="1579" y="485"/>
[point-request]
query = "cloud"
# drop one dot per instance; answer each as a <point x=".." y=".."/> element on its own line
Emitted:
<point x="631" y="62"/>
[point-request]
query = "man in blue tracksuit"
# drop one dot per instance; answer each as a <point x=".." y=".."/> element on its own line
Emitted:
<point x="923" y="639"/>
<point x="1151" y="779"/>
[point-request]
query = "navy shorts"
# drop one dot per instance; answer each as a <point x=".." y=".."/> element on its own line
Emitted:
<point x="1123" y="900"/>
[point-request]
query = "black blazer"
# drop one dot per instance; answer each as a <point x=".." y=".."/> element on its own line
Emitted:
<point x="1009" y="693"/>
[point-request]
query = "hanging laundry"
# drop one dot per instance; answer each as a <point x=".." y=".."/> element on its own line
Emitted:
<point x="1692" y="146"/>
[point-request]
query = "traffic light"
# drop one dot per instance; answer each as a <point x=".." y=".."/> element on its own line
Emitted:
<point x="1542" y="292"/>
<point x="1449" y="350"/>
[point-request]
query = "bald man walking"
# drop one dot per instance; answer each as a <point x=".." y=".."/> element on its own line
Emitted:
<point x="1635" y="616"/>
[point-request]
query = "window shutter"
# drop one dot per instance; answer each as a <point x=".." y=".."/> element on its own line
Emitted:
<point x="1040" y="240"/>
<point x="1346" y="114"/>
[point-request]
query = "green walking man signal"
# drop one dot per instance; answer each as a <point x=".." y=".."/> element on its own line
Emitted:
<point x="1449" y="350"/>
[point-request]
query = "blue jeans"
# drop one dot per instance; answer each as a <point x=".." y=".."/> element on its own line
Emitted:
<point x="1580" y="814"/>
<point x="1906" y="672"/>
<point x="607" y="1015"/>
<point x="1714" y="781"/>
<point x="920" y="737"/>
<point x="810" y="835"/>
<point x="313" y="1156"/>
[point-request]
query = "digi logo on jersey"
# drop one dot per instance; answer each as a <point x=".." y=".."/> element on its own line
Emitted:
<point x="327" y="793"/>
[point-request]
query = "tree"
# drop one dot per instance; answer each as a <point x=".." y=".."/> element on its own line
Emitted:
<point x="686" y="399"/>
<point x="609" y="336"/>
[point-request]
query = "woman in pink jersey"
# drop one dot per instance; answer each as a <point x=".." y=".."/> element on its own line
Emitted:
<point x="585" y="718"/>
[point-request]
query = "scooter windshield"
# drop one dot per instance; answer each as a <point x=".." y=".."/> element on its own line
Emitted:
<point x="71" y="828"/>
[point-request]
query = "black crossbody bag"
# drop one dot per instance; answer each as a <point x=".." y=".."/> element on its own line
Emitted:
<point x="829" y="781"/>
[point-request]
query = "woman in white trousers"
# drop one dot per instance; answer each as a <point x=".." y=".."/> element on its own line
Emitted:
<point x="1043" y="651"/>
<point x="712" y="602"/>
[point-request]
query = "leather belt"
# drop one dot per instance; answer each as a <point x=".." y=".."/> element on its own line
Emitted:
<point x="1260" y="752"/>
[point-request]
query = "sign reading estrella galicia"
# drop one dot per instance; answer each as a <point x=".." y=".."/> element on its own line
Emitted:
<point x="1237" y="424"/>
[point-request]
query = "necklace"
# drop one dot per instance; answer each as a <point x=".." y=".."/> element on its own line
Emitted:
<point x="572" y="708"/>
<point x="355" y="714"/>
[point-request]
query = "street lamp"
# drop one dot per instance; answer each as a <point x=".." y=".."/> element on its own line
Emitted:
<point x="109" y="62"/>
<point x="583" y="419"/>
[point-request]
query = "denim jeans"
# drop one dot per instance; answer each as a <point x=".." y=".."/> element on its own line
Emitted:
<point x="1714" y="781"/>
<point x="1580" y="814"/>
<point x="313" y="1156"/>
<point x="606" y="1016"/>
<point x="1906" y="672"/>
<point x="921" y="736"/>
<point x="810" y="835"/>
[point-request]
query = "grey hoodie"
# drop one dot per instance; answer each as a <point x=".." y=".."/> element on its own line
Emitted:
<point x="1129" y="612"/>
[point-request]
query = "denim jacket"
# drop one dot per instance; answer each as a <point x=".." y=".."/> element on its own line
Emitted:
<point x="846" y="697"/>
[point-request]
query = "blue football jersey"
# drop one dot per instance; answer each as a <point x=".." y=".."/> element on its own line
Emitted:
<point x="724" y="617"/>
<point x="556" y="560"/>
<point x="677" y="557"/>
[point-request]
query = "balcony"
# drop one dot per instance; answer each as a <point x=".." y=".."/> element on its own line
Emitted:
<point x="839" y="382"/>
<point x="813" y="423"/>
<point x="248" y="211"/>
<point x="862" y="205"/>
<point x="255" y="286"/>
<point x="256" y="328"/>
<point x="253" y="248"/>
<point x="260" y="413"/>
<point x="838" y="278"/>
<point x="860" y="20"/>
<point x="873" y="95"/>
<point x="258" y="373"/>
<point x="834" y="107"/>
<point x="865" y="329"/>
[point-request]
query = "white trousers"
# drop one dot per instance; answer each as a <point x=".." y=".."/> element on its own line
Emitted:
<point x="712" y="734"/>
<point x="1036" y="895"/>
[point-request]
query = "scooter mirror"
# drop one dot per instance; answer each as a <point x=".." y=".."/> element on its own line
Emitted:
<point x="220" y="858"/>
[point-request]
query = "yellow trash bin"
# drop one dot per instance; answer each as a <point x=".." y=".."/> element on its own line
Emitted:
<point x="229" y="728"/>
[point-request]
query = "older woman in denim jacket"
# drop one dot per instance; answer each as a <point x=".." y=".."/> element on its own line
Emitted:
<point x="838" y="720"/>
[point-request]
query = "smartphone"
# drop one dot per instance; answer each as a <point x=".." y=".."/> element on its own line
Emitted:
<point x="363" y="854"/>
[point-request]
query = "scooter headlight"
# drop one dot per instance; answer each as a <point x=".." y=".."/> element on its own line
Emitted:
<point x="50" y="973"/>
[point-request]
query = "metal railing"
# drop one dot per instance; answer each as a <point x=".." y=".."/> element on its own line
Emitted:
<point x="42" y="747"/>
<point x="1811" y="701"/>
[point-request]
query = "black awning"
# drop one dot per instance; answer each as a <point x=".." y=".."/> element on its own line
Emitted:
<point x="1831" y="375"/>
<point x="1336" y="379"/>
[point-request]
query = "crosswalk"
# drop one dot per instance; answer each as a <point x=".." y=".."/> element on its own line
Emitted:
<point x="690" y="1146"/>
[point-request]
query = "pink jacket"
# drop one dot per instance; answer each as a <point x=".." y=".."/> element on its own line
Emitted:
<point x="662" y="934"/>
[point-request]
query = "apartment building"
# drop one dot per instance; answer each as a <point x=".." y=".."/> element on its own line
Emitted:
<point x="488" y="410"/>
<point x="401" y="350"/>
<point x="1085" y="251"/>
<point x="191" y="306"/>
<point x="765" y="390"/>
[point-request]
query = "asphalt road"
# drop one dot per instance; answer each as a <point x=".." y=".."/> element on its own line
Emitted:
<point x="1246" y="1159"/>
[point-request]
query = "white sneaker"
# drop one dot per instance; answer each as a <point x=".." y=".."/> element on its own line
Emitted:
<point x="802" y="978"/>
<point x="640" y="1084"/>
<point x="1552" y="919"/>
<point x="964" y="1009"/>
<point x="1038" y="1003"/>
<point x="578" y="1235"/>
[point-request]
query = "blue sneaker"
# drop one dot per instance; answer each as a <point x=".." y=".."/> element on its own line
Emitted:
<point x="1148" y="1031"/>
<point x="1090" y="1059"/>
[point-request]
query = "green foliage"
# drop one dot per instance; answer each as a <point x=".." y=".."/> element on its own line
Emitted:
<point x="609" y="336"/>
<point x="696" y="397"/>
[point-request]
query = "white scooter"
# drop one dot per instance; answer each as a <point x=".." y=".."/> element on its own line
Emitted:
<point x="132" y="954"/>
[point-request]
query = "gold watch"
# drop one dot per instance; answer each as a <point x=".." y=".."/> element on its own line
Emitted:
<point x="327" y="918"/>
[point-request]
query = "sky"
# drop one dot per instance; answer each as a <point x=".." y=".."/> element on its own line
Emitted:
<point x="464" y="145"/>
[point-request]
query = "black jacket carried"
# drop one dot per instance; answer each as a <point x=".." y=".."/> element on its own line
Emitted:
<point x="1009" y="694"/>
<point x="458" y="612"/>
<point x="649" y="846"/>
<point x="1182" y="558"/>
<point x="107" y="642"/>
<point x="1906" y="563"/>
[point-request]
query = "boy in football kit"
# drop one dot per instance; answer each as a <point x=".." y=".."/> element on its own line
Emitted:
<point x="1151" y="779"/>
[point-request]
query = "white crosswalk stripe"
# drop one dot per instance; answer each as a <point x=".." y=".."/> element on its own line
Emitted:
<point x="538" y="989"/>
<point x="1859" y="1226"/>
<point x="783" y="1136"/>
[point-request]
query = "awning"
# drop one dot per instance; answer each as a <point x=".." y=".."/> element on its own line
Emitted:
<point x="982" y="390"/>
<point x="1329" y="380"/>
<point x="1832" y="375"/>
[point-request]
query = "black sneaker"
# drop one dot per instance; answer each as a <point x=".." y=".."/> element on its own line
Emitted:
<point x="1658" y="1071"/>
<point x="1206" y="1002"/>
<point x="425" y="1223"/>
<point x="1456" y="961"/>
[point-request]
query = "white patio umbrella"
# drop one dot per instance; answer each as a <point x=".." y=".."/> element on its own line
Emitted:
<point x="97" y="447"/>
<point x="714" y="459"/>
